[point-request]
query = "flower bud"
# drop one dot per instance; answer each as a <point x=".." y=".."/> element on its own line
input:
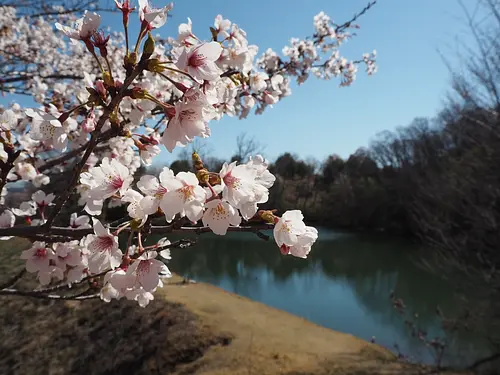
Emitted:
<point x="203" y="176"/>
<point x="267" y="216"/>
<point x="130" y="59"/>
<point x="149" y="48"/>
<point x="135" y="224"/>
<point x="138" y="93"/>
<point x="89" y="124"/>
<point x="154" y="65"/>
<point x="197" y="162"/>
<point x="94" y="95"/>
<point x="108" y="79"/>
<point x="114" y="120"/>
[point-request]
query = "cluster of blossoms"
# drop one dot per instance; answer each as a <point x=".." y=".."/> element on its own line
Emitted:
<point x="106" y="110"/>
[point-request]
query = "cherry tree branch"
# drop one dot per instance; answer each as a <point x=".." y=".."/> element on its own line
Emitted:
<point x="107" y="135"/>
<point x="94" y="141"/>
<point x="14" y="279"/>
<point x="60" y="233"/>
<point x="34" y="294"/>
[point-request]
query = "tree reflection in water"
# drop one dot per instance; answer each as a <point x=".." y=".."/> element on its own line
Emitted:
<point x="344" y="285"/>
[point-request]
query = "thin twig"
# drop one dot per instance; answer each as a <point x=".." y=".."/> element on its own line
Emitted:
<point x="24" y="293"/>
<point x="92" y="144"/>
<point x="75" y="233"/>
<point x="13" y="279"/>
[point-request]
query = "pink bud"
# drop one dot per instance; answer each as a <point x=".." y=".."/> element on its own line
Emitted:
<point x="99" y="85"/>
<point x="89" y="124"/>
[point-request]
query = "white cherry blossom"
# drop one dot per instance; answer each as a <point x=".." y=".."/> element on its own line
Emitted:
<point x="184" y="196"/>
<point x="103" y="249"/>
<point x="41" y="199"/>
<point x="190" y="120"/>
<point x="145" y="271"/>
<point x="46" y="127"/>
<point x="199" y="61"/>
<point x="8" y="120"/>
<point x="38" y="257"/>
<point x="7" y="220"/>
<point x="219" y="215"/>
<point x="82" y="221"/>
<point x="154" y="189"/>
<point x="153" y="17"/>
<point x="135" y="209"/>
<point x="110" y="178"/>
<point x="293" y="236"/>
<point x="83" y="28"/>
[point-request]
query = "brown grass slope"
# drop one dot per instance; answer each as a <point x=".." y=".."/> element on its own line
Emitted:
<point x="190" y="329"/>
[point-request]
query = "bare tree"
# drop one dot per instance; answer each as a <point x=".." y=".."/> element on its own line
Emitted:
<point x="246" y="146"/>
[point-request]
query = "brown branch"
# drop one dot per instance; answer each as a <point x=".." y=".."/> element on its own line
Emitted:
<point x="75" y="233"/>
<point x="482" y="361"/>
<point x="348" y="24"/>
<point x="27" y="78"/>
<point x="69" y="155"/>
<point x="93" y="142"/>
<point x="25" y="293"/>
<point x="13" y="279"/>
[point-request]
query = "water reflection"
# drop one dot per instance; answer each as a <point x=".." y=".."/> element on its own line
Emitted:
<point x="344" y="285"/>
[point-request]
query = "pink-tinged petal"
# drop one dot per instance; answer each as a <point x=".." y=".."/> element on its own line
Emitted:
<point x="149" y="205"/>
<point x="194" y="211"/>
<point x="188" y="178"/>
<point x="99" y="228"/>
<point x="210" y="51"/>
<point x="172" y="203"/>
<point x="148" y="184"/>
<point x="208" y="71"/>
<point x="166" y="175"/>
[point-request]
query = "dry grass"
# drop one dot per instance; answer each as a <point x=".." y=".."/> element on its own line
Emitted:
<point x="190" y="329"/>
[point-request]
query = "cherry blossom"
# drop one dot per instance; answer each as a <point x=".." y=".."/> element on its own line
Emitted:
<point x="42" y="200"/>
<point x="83" y="28"/>
<point x="109" y="178"/>
<point x="145" y="271"/>
<point x="38" y="257"/>
<point x="8" y="120"/>
<point x="219" y="215"/>
<point x="46" y="127"/>
<point x="293" y="236"/>
<point x="100" y="130"/>
<point x="199" y="61"/>
<point x="28" y="208"/>
<point x="184" y="196"/>
<point x="7" y="220"/>
<point x="190" y="120"/>
<point x="116" y="283"/>
<point x="82" y="221"/>
<point x="135" y="208"/>
<point x="26" y="171"/>
<point x="103" y="249"/>
<point x="154" y="189"/>
<point x="152" y="17"/>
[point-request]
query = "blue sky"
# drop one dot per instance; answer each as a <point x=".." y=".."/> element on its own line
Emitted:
<point x="319" y="118"/>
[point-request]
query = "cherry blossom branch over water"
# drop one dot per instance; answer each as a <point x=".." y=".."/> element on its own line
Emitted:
<point x="97" y="132"/>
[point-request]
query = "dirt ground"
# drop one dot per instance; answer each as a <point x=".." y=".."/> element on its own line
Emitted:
<point x="188" y="329"/>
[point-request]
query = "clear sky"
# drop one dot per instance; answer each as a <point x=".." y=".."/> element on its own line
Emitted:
<point x="319" y="118"/>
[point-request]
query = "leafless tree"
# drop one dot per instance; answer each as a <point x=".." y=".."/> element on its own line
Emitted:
<point x="246" y="146"/>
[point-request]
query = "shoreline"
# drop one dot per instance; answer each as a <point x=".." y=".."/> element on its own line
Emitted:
<point x="266" y="340"/>
<point x="190" y="328"/>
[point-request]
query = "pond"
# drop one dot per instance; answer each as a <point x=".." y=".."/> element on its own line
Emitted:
<point x="345" y="285"/>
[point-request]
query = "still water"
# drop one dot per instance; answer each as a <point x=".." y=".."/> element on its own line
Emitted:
<point x="344" y="285"/>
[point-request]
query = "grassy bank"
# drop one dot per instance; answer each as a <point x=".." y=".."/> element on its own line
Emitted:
<point x="188" y="329"/>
